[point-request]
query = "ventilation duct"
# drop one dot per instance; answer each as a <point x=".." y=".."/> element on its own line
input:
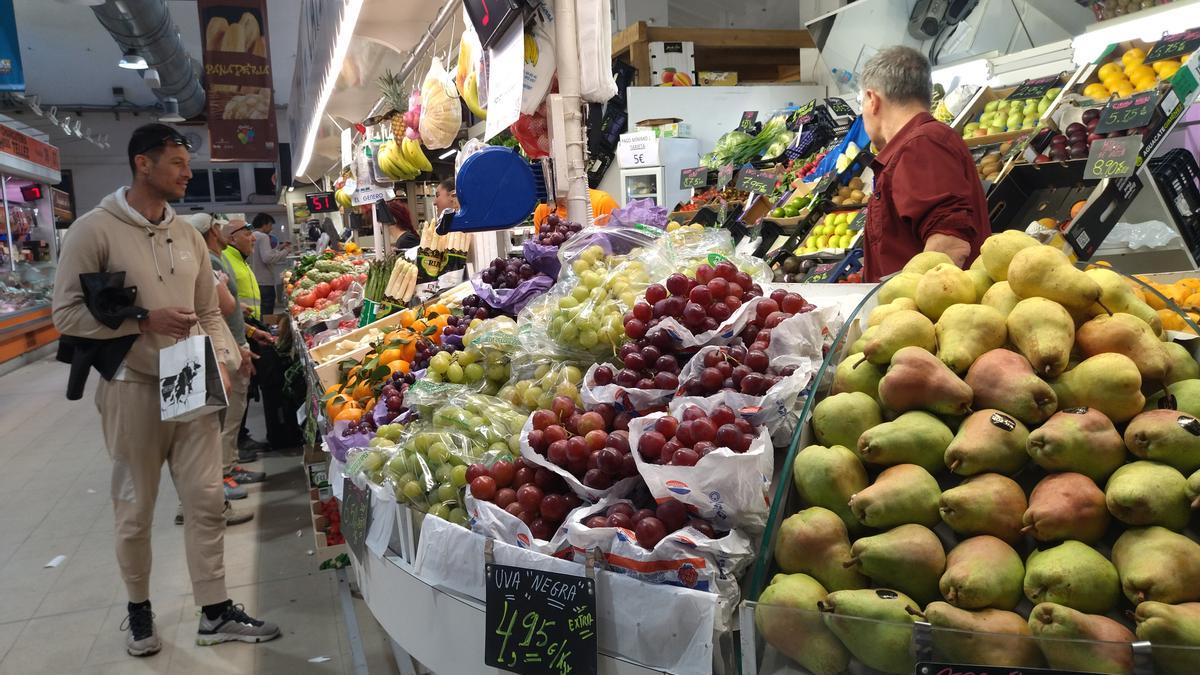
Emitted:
<point x="146" y="27"/>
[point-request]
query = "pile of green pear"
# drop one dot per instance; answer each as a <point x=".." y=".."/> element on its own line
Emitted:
<point x="1009" y="452"/>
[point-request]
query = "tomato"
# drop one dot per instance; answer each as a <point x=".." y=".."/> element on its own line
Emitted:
<point x="336" y="296"/>
<point x="321" y="304"/>
<point x="296" y="309"/>
<point x="306" y="300"/>
<point x="321" y="290"/>
<point x="342" y="283"/>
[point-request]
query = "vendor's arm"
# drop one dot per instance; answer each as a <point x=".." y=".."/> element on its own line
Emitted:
<point x="82" y="252"/>
<point x="267" y="255"/>
<point x="930" y="192"/>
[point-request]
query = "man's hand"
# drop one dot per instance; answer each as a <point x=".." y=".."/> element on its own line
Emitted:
<point x="173" y="322"/>
<point x="246" y="310"/>
<point x="262" y="337"/>
<point x="247" y="367"/>
<point x="957" y="249"/>
<point x="222" y="277"/>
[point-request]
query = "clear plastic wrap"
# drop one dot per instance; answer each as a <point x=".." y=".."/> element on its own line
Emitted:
<point x="512" y="300"/>
<point x="441" y="112"/>
<point x="540" y="375"/>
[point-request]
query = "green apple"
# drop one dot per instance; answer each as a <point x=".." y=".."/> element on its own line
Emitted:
<point x="971" y="127"/>
<point x="995" y="129"/>
<point x="990" y="106"/>
<point x="986" y="118"/>
<point x="846" y="239"/>
<point x="840" y="229"/>
<point x="1052" y="93"/>
<point x="1043" y="106"/>
<point x="823" y="241"/>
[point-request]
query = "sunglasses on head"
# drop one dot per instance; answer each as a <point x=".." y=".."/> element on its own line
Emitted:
<point x="154" y="142"/>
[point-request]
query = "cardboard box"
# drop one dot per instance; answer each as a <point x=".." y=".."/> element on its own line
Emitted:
<point x="665" y="127"/>
<point x="672" y="64"/>
<point x="718" y="78"/>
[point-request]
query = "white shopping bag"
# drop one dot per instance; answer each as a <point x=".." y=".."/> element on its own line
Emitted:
<point x="189" y="381"/>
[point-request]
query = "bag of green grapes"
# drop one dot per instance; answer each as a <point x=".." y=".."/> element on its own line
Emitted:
<point x="482" y="365"/>
<point x="429" y="469"/>
<point x="539" y="373"/>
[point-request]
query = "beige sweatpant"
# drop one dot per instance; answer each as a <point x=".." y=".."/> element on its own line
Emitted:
<point x="138" y="443"/>
<point x="238" y="399"/>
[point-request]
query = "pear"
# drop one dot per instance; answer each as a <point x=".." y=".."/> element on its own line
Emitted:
<point x="912" y="438"/>
<point x="965" y="332"/>
<point x="985" y="504"/>
<point x="992" y="636"/>
<point x="943" y="286"/>
<point x="1072" y="574"/>
<point x="814" y="542"/>
<point x="1148" y="493"/>
<point x="988" y="441"/>
<point x="861" y="343"/>
<point x="828" y="477"/>
<point x="1185" y="397"/>
<point x="882" y="642"/>
<point x="1067" y="506"/>
<point x="1125" y="334"/>
<point x="1044" y="332"/>
<point x="878" y="314"/>
<point x="1193" y="490"/>
<point x="917" y="380"/>
<point x="925" y="261"/>
<point x="1046" y="272"/>
<point x="1078" y="641"/>
<point x="1117" y="296"/>
<point x="1157" y="564"/>
<point x="900" y="329"/>
<point x="856" y="374"/>
<point x="983" y="572"/>
<point x="998" y="250"/>
<point x="977" y="264"/>
<point x="999" y="296"/>
<point x="903" y="285"/>
<point x="908" y="558"/>
<point x="1166" y="436"/>
<point x="1181" y="365"/>
<point x="787" y="618"/>
<point x="1110" y="383"/>
<point x="982" y="281"/>
<point x="1174" y="630"/>
<point x="901" y="494"/>
<point x="841" y="418"/>
<point x="1083" y="440"/>
<point x="1005" y="380"/>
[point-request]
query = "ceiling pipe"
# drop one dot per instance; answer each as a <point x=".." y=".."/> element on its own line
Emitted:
<point x="145" y="26"/>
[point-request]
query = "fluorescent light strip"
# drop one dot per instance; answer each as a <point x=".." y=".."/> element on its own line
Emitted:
<point x="1148" y="25"/>
<point x="341" y="47"/>
<point x="976" y="72"/>
<point x="447" y="153"/>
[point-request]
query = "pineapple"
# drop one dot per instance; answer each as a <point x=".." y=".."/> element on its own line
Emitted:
<point x="393" y="92"/>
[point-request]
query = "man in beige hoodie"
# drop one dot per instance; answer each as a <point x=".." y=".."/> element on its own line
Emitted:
<point x="134" y="230"/>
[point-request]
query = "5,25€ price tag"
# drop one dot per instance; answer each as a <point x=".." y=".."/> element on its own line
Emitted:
<point x="538" y="622"/>
<point x="1113" y="158"/>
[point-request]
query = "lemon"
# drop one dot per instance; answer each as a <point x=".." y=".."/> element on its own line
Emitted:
<point x="1168" y="71"/>
<point x="1159" y="65"/>
<point x="1124" y="89"/>
<point x="1112" y="81"/>
<point x="1096" y="91"/>
<point x="1108" y="70"/>
<point x="1133" y="53"/>
<point x="1141" y="70"/>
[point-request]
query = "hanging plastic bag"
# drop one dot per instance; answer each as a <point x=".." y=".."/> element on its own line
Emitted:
<point x="533" y="133"/>
<point x="540" y="56"/>
<point x="469" y="72"/>
<point x="441" y="113"/>
<point x="594" y="23"/>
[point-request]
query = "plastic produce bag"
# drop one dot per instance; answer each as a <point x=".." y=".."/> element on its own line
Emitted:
<point x="620" y="488"/>
<point x="640" y="212"/>
<point x="594" y="23"/>
<point x="538" y="375"/>
<point x="777" y="410"/>
<point x="614" y="240"/>
<point x="623" y="399"/>
<point x="340" y="439"/>
<point x="540" y="60"/>
<point x="441" y="114"/>
<point x="543" y="258"/>
<point x="470" y="69"/>
<point x="687" y="557"/>
<point x="512" y="300"/>
<point x="492" y="521"/>
<point x="532" y="131"/>
<point x="727" y="488"/>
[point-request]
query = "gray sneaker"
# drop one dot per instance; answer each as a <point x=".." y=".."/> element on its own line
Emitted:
<point x="243" y="476"/>
<point x="233" y="490"/>
<point x="142" y="639"/>
<point x="234" y="516"/>
<point x="234" y="624"/>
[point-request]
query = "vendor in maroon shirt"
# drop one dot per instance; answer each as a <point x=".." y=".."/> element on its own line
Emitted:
<point x="927" y="195"/>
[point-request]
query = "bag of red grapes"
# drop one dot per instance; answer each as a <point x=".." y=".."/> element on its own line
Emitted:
<point x="582" y="447"/>
<point x="541" y="251"/>
<point x="541" y="534"/>
<point x="630" y="398"/>
<point x="510" y="284"/>
<point x="664" y="543"/>
<point x="707" y="456"/>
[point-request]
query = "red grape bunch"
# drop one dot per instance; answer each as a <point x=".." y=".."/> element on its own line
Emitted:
<point x="650" y="525"/>
<point x="536" y="495"/>
<point x="585" y="443"/>
<point x="474" y="307"/>
<point x="743" y="370"/>
<point x="682" y="442"/>
<point x="771" y="312"/>
<point x="556" y="230"/>
<point x="507" y="273"/>
<point x="701" y="304"/>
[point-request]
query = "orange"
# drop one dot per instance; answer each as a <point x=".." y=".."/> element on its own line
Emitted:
<point x="363" y="391"/>
<point x="436" y="309"/>
<point x="1154" y="300"/>
<point x="1139" y="71"/>
<point x="1175" y="293"/>
<point x="1096" y="91"/>
<point x="1077" y="207"/>
<point x="390" y="354"/>
<point x="335" y="405"/>
<point x="1124" y="89"/>
<point x="1192" y="283"/>
<point x="1048" y="223"/>
<point x="398" y="366"/>
<point x="407" y="317"/>
<point x="349" y="414"/>
<point x="1192" y="300"/>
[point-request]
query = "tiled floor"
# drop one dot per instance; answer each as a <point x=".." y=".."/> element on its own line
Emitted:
<point x="54" y="481"/>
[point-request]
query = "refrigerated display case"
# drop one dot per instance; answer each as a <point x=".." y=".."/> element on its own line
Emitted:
<point x="654" y="174"/>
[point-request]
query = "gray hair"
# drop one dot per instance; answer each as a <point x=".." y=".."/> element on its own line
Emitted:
<point x="900" y="74"/>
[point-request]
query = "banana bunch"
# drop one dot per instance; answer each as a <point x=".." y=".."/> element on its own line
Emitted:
<point x="531" y="50"/>
<point x="470" y="95"/>
<point x="343" y="198"/>
<point x="404" y="160"/>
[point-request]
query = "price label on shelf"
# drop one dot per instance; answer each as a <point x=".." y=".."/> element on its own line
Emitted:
<point x="1034" y="88"/>
<point x="538" y="622"/>
<point x="356" y="516"/>
<point x="1174" y="46"/>
<point x="802" y="115"/>
<point x="748" y="119"/>
<point x="693" y="178"/>
<point x="754" y="180"/>
<point x="724" y="175"/>
<point x="1113" y="157"/>
<point x="839" y="107"/>
<point x="1127" y="113"/>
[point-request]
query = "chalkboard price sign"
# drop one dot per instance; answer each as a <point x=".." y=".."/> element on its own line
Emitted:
<point x="839" y="107"/>
<point x="962" y="669"/>
<point x="356" y="516"/>
<point x="1034" y="88"/>
<point x="802" y="115"/>
<point x="753" y="180"/>
<point x="724" y="175"/>
<point x="539" y="623"/>
<point x="693" y="178"/>
<point x="1127" y="113"/>
<point x="1174" y="46"/>
<point x="1113" y="157"/>
<point x="748" y="119"/>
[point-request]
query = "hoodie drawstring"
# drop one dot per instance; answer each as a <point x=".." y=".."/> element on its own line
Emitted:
<point x="154" y="253"/>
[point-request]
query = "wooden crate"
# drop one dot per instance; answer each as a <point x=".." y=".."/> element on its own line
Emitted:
<point x="989" y="94"/>
<point x="755" y="55"/>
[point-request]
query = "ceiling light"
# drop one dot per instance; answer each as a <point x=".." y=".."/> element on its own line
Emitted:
<point x="131" y="60"/>
<point x="345" y="36"/>
<point x="170" y="110"/>
<point x="151" y="78"/>
<point x="976" y="72"/>
<point x="449" y="153"/>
